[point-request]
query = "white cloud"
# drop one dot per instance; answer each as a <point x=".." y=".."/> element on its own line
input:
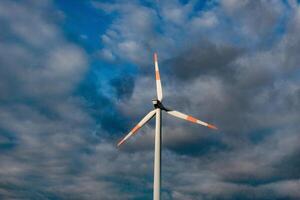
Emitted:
<point x="55" y="151"/>
<point x="206" y="20"/>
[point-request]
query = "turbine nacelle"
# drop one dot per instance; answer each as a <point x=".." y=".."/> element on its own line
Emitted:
<point x="158" y="104"/>
<point x="155" y="102"/>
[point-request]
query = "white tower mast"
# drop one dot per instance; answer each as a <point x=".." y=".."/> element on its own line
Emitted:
<point x="157" y="156"/>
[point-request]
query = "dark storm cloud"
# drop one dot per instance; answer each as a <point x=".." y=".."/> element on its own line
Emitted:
<point x="254" y="20"/>
<point x="123" y="86"/>
<point x="202" y="59"/>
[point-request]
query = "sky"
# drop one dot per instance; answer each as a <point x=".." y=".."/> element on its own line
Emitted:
<point x="76" y="76"/>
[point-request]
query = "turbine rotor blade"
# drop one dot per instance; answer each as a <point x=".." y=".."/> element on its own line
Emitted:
<point x="157" y="78"/>
<point x="137" y="127"/>
<point x="190" y="118"/>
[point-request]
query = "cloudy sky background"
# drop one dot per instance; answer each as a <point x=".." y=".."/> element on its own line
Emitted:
<point x="75" y="76"/>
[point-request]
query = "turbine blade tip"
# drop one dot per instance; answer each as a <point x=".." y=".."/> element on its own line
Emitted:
<point x="212" y="126"/>
<point x="119" y="143"/>
<point x="155" y="57"/>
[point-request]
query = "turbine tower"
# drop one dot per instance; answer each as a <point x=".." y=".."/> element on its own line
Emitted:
<point x="158" y="107"/>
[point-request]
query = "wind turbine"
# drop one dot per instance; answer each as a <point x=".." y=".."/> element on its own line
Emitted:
<point x="158" y="107"/>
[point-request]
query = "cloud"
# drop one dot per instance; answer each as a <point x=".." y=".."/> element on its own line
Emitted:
<point x="254" y="20"/>
<point x="210" y="59"/>
<point x="60" y="119"/>
<point x="44" y="123"/>
<point x="122" y="41"/>
<point x="207" y="19"/>
<point x="242" y="87"/>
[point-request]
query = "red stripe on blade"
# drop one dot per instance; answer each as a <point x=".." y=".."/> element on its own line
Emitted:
<point x="157" y="77"/>
<point x="134" y="130"/>
<point x="191" y="119"/>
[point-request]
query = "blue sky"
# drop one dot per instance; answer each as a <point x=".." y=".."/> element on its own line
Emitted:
<point x="77" y="75"/>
